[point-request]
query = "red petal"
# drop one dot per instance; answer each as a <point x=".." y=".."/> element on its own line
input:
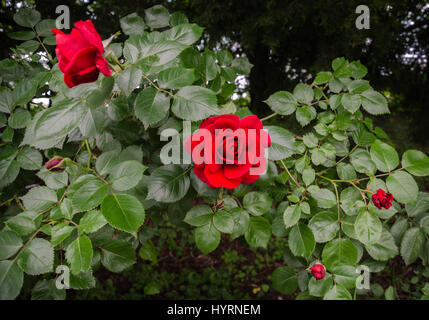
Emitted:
<point x="86" y="76"/>
<point x="69" y="44"/>
<point x="218" y="179"/>
<point x="251" y="122"/>
<point x="84" y="59"/>
<point x="236" y="171"/>
<point x="102" y="65"/>
<point x="87" y="30"/>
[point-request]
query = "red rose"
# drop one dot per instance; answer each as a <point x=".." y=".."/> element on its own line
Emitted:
<point x="80" y="54"/>
<point x="382" y="199"/>
<point x="55" y="164"/>
<point x="227" y="151"/>
<point x="318" y="271"/>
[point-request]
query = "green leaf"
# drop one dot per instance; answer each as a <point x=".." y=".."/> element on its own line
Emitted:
<point x="403" y="187"/>
<point x="106" y="161"/>
<point x="132" y="24"/>
<point x="43" y="28"/>
<point x="199" y="215"/>
<point x="151" y="106"/>
<point x="291" y="215"/>
<point x="194" y="103"/>
<point x="29" y="158"/>
<point x="11" y="279"/>
<point x="325" y="198"/>
<point x="207" y="238"/>
<point x="346" y="171"/>
<point x="374" y="102"/>
<point x="39" y="199"/>
<point x="368" y="227"/>
<point x="345" y="275"/>
<point x="257" y="203"/>
<point x="361" y="161"/>
<point x="129" y="79"/>
<point x="89" y="195"/>
<point x="6" y="100"/>
<point x="19" y="118"/>
<point x="9" y="170"/>
<point x="185" y="33"/>
<point x="24" y="223"/>
<point x="301" y="241"/>
<point x="241" y="222"/>
<point x="412" y="245"/>
<point x="318" y="288"/>
<point x="22" y="35"/>
<point x="322" y="77"/>
<point x="37" y="257"/>
<point x="10" y="243"/>
<point x="81" y="281"/>
<point x="242" y="65"/>
<point x="305" y="114"/>
<point x="47" y="290"/>
<point x="358" y="69"/>
<point x="259" y="232"/>
<point x="27" y="17"/>
<point x="421" y="206"/>
<point x="303" y="93"/>
<point x="384" y="249"/>
<point x="224" y="221"/>
<point x="52" y="125"/>
<point x="285" y="280"/>
<point x="117" y="255"/>
<point x="176" y="77"/>
<point x="282" y="143"/>
<point x="337" y="292"/>
<point x="148" y="251"/>
<point x="416" y="163"/>
<point x="24" y="91"/>
<point x="390" y="293"/>
<point x="282" y="102"/>
<point x="384" y="156"/>
<point x="324" y="226"/>
<point x="339" y="251"/>
<point x="351" y="102"/>
<point x="60" y="232"/>
<point x="91" y="222"/>
<point x="123" y="211"/>
<point x="308" y="176"/>
<point x="157" y="17"/>
<point x="168" y="183"/>
<point x="126" y="175"/>
<point x="79" y="254"/>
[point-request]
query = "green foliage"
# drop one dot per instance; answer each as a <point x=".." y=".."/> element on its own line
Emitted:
<point x="315" y="196"/>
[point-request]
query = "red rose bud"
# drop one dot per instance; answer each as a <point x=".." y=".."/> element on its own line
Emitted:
<point x="318" y="271"/>
<point x="381" y="199"/>
<point x="80" y="54"/>
<point x="55" y="164"/>
<point x="220" y="205"/>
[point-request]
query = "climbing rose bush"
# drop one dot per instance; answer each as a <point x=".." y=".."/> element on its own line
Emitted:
<point x="86" y="125"/>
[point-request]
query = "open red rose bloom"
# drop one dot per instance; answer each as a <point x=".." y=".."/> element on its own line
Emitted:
<point x="318" y="271"/>
<point x="381" y="199"/>
<point x="227" y="151"/>
<point x="80" y="54"/>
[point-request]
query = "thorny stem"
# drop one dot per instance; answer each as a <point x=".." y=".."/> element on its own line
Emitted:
<point x="269" y="117"/>
<point x="43" y="46"/>
<point x="290" y="175"/>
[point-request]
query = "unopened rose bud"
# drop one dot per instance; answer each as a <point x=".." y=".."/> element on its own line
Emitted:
<point x="56" y="164"/>
<point x="318" y="270"/>
<point x="381" y="199"/>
